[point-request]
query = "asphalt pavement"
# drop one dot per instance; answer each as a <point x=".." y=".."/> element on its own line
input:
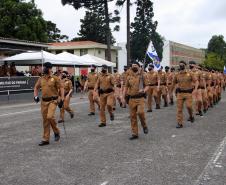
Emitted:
<point x="90" y="155"/>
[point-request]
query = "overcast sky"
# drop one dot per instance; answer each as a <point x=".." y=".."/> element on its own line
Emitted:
<point x="190" y="22"/>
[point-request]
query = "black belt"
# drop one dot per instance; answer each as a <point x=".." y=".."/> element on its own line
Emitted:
<point x="163" y="84"/>
<point x="184" y="90"/>
<point x="49" y="98"/>
<point x="101" y="91"/>
<point x="201" y="87"/>
<point x="119" y="86"/>
<point x="90" y="88"/>
<point x="137" y="96"/>
<point x="153" y="84"/>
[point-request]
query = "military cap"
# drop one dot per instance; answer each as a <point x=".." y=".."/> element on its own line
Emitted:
<point x="182" y="62"/>
<point x="151" y="65"/>
<point x="104" y="66"/>
<point x="136" y="63"/>
<point x="167" y="67"/>
<point x="93" y="66"/>
<point x="48" y="65"/>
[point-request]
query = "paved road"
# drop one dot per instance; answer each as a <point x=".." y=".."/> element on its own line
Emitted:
<point x="91" y="155"/>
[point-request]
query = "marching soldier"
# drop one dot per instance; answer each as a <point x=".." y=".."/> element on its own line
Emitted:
<point x="118" y="87"/>
<point x="170" y="76"/>
<point x="68" y="89"/>
<point x="124" y="76"/>
<point x="184" y="80"/>
<point x="105" y="84"/>
<point x="153" y="83"/>
<point x="51" y="86"/>
<point x="162" y="90"/>
<point x="90" y="85"/>
<point x="136" y="100"/>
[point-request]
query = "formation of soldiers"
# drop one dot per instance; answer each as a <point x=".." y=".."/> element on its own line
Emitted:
<point x="140" y="90"/>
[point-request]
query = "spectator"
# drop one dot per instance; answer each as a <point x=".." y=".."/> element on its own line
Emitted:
<point x="12" y="69"/>
<point x="6" y="70"/>
<point x="77" y="85"/>
<point x="35" y="71"/>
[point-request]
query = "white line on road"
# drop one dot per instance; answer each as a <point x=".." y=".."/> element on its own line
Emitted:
<point x="33" y="110"/>
<point x="105" y="183"/>
<point x="212" y="163"/>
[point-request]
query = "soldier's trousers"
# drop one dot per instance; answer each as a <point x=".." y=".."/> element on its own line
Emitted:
<point x="137" y="108"/>
<point x="106" y="99"/>
<point x="152" y="92"/>
<point x="48" y="114"/>
<point x="66" y="107"/>
<point x="162" y="93"/>
<point x="93" y="98"/>
<point x="197" y="97"/>
<point x="210" y="95"/>
<point x="170" y="92"/>
<point x="181" y="98"/>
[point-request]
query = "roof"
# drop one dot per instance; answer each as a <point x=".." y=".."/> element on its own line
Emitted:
<point x="79" y="45"/>
<point x="22" y="42"/>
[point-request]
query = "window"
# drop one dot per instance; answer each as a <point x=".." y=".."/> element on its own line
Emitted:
<point x="58" y="51"/>
<point x="70" y="51"/>
<point x="83" y="52"/>
<point x="99" y="52"/>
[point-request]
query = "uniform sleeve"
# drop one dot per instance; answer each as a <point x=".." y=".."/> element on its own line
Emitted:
<point x="38" y="83"/>
<point x="112" y="80"/>
<point x="127" y="82"/>
<point x="175" y="79"/>
<point x="146" y="80"/>
<point x="59" y="83"/>
<point x="70" y="85"/>
<point x="194" y="77"/>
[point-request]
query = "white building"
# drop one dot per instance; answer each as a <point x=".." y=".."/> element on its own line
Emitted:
<point x="122" y="56"/>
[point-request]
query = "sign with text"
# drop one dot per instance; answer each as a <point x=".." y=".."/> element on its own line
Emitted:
<point x="17" y="83"/>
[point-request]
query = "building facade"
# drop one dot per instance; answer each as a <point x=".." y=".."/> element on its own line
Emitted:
<point x="174" y="52"/>
<point x="80" y="48"/>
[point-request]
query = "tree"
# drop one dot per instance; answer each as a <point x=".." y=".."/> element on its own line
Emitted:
<point x="22" y="20"/>
<point x="217" y="45"/>
<point x="144" y="30"/>
<point x="214" y="61"/>
<point x="54" y="34"/>
<point x="108" y="17"/>
<point x="93" y="26"/>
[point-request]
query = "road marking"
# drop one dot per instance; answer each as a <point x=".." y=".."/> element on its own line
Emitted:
<point x="27" y="104"/>
<point x="104" y="183"/>
<point x="33" y="110"/>
<point x="212" y="163"/>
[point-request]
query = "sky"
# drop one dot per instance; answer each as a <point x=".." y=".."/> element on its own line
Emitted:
<point x="190" y="22"/>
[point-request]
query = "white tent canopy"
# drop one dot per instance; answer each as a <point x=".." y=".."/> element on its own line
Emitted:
<point x="38" y="58"/>
<point x="100" y="61"/>
<point x="77" y="60"/>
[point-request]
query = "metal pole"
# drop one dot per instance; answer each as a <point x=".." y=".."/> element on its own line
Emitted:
<point x="128" y="32"/>
<point x="42" y="59"/>
<point x="8" y="96"/>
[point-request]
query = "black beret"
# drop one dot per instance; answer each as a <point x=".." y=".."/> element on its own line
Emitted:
<point x="136" y="63"/>
<point x="93" y="66"/>
<point x="182" y="62"/>
<point x="192" y="62"/>
<point x="167" y="67"/>
<point x="172" y="68"/>
<point x="104" y="66"/>
<point x="151" y="65"/>
<point x="48" y="65"/>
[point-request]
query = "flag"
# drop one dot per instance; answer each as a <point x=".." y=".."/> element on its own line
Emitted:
<point x="224" y="70"/>
<point x="151" y="52"/>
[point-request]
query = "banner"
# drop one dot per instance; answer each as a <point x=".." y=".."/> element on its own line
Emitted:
<point x="17" y="83"/>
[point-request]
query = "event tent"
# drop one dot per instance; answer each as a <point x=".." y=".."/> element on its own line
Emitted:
<point x="38" y="58"/>
<point x="98" y="60"/>
<point x="77" y="60"/>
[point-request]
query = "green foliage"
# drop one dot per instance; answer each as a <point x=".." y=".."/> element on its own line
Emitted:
<point x="217" y="45"/>
<point x="214" y="61"/>
<point x="93" y="25"/>
<point x="22" y="20"/>
<point x="144" y="30"/>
